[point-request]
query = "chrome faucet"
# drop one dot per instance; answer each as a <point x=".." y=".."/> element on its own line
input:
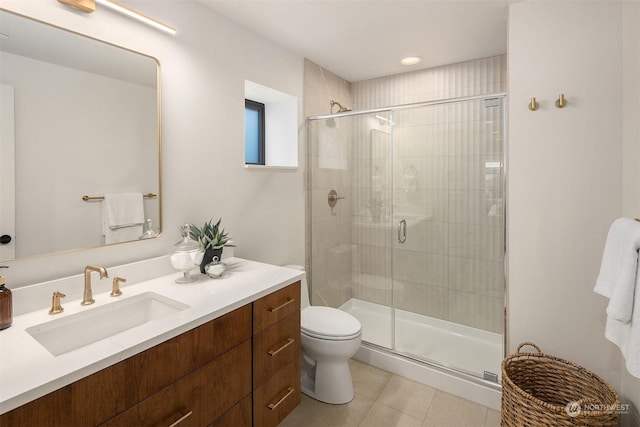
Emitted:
<point x="87" y="298"/>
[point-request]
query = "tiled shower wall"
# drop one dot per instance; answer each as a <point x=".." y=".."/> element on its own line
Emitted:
<point x="449" y="272"/>
<point x="477" y="77"/>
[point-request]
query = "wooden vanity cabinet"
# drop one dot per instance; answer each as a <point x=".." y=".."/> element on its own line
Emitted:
<point x="238" y="370"/>
<point x="149" y="383"/>
<point x="276" y="356"/>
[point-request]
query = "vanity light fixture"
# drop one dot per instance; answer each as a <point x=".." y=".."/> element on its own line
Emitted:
<point x="83" y="5"/>
<point x="90" y="5"/>
<point x="411" y="60"/>
<point x="137" y="15"/>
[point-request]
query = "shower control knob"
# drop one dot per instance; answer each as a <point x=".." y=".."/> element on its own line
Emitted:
<point x="4" y="239"/>
<point x="333" y="198"/>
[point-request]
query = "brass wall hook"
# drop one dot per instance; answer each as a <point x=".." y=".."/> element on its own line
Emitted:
<point x="533" y="105"/>
<point x="561" y="102"/>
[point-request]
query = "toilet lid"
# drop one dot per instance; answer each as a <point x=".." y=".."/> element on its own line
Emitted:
<point x="328" y="323"/>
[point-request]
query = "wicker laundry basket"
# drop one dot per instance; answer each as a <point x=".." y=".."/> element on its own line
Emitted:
<point x="543" y="390"/>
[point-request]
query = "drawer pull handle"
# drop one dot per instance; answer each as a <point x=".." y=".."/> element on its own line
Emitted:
<point x="182" y="418"/>
<point x="289" y="301"/>
<point x="273" y="406"/>
<point x="285" y="345"/>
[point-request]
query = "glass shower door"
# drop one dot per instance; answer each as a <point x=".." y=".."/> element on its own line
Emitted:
<point x="447" y="243"/>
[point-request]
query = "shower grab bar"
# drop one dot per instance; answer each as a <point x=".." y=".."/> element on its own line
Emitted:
<point x="402" y="231"/>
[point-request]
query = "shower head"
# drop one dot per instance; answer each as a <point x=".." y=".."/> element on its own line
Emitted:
<point x="341" y="109"/>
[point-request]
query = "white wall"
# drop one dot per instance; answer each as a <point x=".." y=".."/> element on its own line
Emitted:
<point x="631" y="103"/>
<point x="565" y="176"/>
<point x="203" y="68"/>
<point x="630" y="386"/>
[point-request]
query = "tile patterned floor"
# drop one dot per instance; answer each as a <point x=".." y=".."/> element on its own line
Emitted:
<point x="384" y="399"/>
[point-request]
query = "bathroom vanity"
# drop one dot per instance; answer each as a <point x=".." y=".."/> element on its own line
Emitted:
<point x="232" y="358"/>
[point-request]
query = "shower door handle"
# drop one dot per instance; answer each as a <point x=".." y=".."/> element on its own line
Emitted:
<point x="402" y="231"/>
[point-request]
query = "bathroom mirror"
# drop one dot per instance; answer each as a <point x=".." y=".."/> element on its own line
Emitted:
<point x="78" y="117"/>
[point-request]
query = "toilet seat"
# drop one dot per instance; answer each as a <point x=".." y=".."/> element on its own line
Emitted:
<point x="329" y="323"/>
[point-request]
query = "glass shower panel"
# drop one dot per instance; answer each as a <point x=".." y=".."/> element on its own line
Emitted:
<point x="330" y="163"/>
<point x="447" y="253"/>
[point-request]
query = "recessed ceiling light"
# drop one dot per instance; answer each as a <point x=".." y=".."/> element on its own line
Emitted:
<point x="410" y="60"/>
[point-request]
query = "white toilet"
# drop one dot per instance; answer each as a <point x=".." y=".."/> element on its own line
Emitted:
<point x="329" y="338"/>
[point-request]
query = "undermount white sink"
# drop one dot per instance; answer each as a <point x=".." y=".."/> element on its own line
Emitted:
<point x="62" y="335"/>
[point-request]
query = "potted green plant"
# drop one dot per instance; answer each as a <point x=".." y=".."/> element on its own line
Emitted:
<point x="212" y="238"/>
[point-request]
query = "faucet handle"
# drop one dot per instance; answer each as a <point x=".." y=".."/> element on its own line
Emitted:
<point x="115" y="290"/>
<point x="56" y="307"/>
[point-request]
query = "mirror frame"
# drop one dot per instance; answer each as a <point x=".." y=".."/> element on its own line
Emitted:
<point x="157" y="227"/>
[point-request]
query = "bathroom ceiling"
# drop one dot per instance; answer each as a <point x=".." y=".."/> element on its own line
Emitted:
<point x="364" y="39"/>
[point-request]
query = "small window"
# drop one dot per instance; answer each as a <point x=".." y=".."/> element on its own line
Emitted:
<point x="253" y="132"/>
<point x="280" y="128"/>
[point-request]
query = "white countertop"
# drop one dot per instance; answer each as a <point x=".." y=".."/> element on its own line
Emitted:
<point x="29" y="371"/>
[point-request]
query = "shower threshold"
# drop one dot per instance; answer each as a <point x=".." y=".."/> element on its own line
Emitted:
<point x="444" y="343"/>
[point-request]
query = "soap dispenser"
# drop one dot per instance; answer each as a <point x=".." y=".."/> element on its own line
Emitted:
<point x="6" y="305"/>
<point x="149" y="233"/>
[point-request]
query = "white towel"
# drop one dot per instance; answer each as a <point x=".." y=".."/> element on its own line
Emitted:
<point x="122" y="217"/>
<point x="627" y="335"/>
<point x="617" y="278"/>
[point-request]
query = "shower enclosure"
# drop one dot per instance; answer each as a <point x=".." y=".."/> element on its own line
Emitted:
<point x="412" y="239"/>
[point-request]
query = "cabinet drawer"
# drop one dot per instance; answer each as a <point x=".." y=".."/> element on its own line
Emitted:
<point x="238" y="416"/>
<point x="275" y="347"/>
<point x="275" y="306"/>
<point x="198" y="398"/>
<point x="275" y="399"/>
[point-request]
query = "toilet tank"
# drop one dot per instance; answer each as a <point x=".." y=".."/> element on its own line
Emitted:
<point x="304" y="289"/>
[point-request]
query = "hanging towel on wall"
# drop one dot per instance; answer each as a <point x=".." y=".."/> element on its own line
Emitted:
<point x="619" y="280"/>
<point x="627" y="335"/>
<point x="122" y="217"/>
